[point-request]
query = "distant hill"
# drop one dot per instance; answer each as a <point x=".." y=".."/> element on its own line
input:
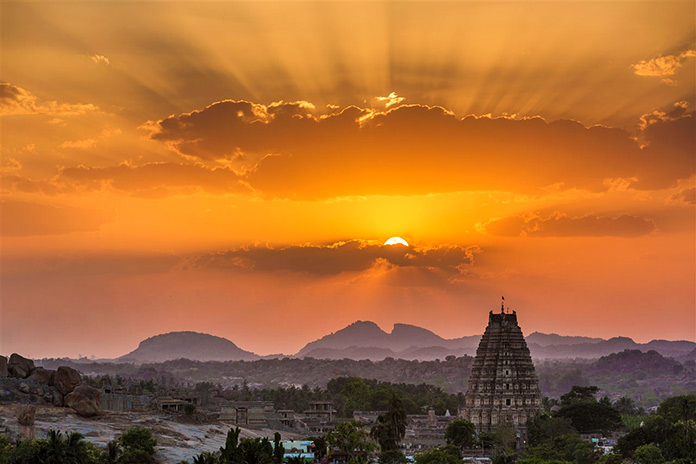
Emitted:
<point x="543" y="339"/>
<point x="649" y="363"/>
<point x="189" y="345"/>
<point x="368" y="334"/>
<point x="366" y="340"/>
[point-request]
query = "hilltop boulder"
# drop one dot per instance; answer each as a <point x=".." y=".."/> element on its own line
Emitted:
<point x="66" y="379"/>
<point x="26" y="415"/>
<point x="43" y="376"/>
<point x="19" y="366"/>
<point x="85" y="400"/>
<point x="3" y="367"/>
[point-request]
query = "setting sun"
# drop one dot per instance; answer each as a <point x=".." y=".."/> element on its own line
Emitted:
<point x="396" y="241"/>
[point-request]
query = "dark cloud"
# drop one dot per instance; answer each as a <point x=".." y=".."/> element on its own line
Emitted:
<point x="350" y="256"/>
<point x="416" y="149"/>
<point x="560" y="225"/>
<point x="21" y="219"/>
<point x="687" y="196"/>
<point x="156" y="179"/>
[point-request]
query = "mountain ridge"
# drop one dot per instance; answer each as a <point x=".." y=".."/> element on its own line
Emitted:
<point x="366" y="340"/>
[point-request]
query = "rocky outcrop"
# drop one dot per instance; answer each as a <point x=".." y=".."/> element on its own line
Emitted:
<point x="42" y="376"/>
<point x="85" y="400"/>
<point x="19" y="366"/>
<point x="66" y="379"/>
<point x="26" y="415"/>
<point x="53" y="396"/>
<point x="3" y="367"/>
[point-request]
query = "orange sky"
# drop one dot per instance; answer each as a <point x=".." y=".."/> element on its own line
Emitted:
<point x="233" y="168"/>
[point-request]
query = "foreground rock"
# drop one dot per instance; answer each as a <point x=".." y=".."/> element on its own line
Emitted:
<point x="26" y="415"/>
<point x="3" y="367"/>
<point x="85" y="400"/>
<point x="42" y="376"/>
<point x="19" y="366"/>
<point x="66" y="379"/>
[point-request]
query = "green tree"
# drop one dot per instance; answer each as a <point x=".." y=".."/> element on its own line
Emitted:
<point x="205" y="458"/>
<point x="255" y="451"/>
<point x="649" y="454"/>
<point x="444" y="455"/>
<point x="138" y="439"/>
<point x="5" y="449"/>
<point x="461" y="433"/>
<point x="504" y="438"/>
<point x="136" y="456"/>
<point x="392" y="457"/>
<point x="230" y="452"/>
<point x="351" y="438"/>
<point x="676" y="440"/>
<point x="586" y="414"/>
<point x="678" y="408"/>
<point x="320" y="445"/>
<point x="55" y="447"/>
<point x="543" y="428"/>
<point x="278" y="450"/>
<point x="390" y="428"/>
<point x="76" y="449"/>
<point x="189" y="409"/>
<point x="112" y="452"/>
<point x="579" y="393"/>
<point x="626" y="406"/>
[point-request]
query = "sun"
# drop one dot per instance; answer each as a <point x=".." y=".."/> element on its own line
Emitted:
<point x="396" y="241"/>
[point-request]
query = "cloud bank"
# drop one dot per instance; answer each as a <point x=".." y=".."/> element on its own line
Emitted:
<point x="561" y="225"/>
<point x="292" y="152"/>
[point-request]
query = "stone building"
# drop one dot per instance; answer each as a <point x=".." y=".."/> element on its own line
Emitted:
<point x="503" y="386"/>
<point x="249" y="413"/>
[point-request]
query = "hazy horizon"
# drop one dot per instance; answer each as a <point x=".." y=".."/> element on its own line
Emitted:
<point x="292" y="351"/>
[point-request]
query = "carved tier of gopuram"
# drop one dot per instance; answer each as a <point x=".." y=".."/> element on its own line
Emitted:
<point x="503" y="386"/>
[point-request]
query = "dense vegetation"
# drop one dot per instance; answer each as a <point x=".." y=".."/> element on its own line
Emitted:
<point x="135" y="446"/>
<point x="350" y="394"/>
<point x="647" y="377"/>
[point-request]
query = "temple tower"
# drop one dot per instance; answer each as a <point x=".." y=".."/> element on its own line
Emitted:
<point x="503" y="386"/>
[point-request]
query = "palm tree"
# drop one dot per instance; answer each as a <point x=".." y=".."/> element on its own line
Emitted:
<point x="112" y="452"/>
<point x="55" y="452"/>
<point x="390" y="428"/>
<point x="230" y="452"/>
<point x="75" y="449"/>
<point x="205" y="458"/>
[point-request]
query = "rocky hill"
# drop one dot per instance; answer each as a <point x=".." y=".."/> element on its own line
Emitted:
<point x="366" y="340"/>
<point x="190" y="345"/>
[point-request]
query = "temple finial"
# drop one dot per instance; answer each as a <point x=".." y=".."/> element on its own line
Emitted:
<point x="502" y="306"/>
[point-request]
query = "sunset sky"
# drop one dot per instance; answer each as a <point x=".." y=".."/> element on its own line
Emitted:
<point x="234" y="168"/>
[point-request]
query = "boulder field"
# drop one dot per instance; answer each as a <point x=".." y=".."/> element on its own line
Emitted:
<point x="63" y="386"/>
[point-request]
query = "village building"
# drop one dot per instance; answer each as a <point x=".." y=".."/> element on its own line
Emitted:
<point x="248" y="413"/>
<point x="118" y="399"/>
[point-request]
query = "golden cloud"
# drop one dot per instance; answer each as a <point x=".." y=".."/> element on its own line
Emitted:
<point x="292" y="152"/>
<point x="16" y="100"/>
<point x="662" y="66"/>
<point x="561" y="225"/>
